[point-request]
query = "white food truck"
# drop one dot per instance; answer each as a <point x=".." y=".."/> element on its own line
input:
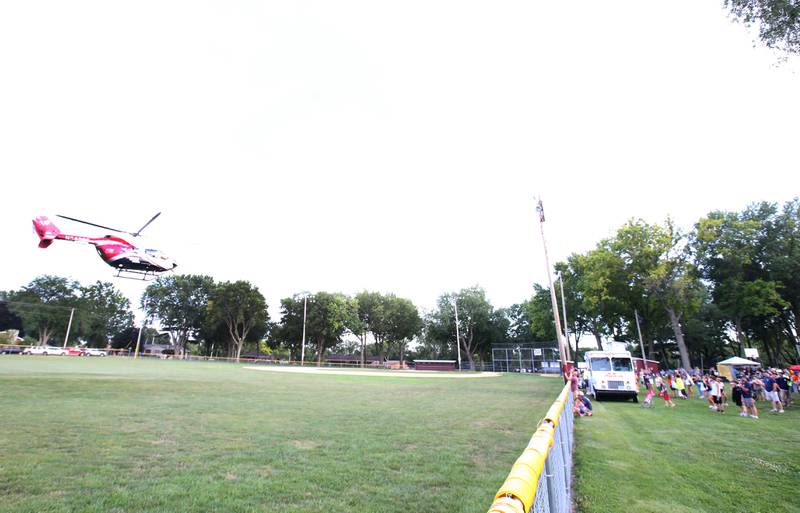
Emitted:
<point x="611" y="373"/>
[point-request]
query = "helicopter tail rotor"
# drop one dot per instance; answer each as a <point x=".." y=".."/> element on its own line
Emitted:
<point x="46" y="231"/>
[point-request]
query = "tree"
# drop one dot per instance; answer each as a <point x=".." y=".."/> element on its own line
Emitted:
<point x="778" y="21"/>
<point x="180" y="303"/>
<point x="371" y="312"/>
<point x="630" y="259"/>
<point x="539" y="313"/>
<point x="242" y="309"/>
<point x="328" y="317"/>
<point x="404" y="323"/>
<point x="391" y="320"/>
<point x="44" y="305"/>
<point x="478" y="324"/>
<point x="126" y="338"/>
<point x="8" y="319"/>
<point x="747" y="259"/>
<point x="103" y="313"/>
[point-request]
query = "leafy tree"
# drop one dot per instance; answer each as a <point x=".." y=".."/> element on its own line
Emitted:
<point x="478" y="323"/>
<point x="404" y="323"/>
<point x="44" y="305"/>
<point x="180" y="303"/>
<point x="640" y="282"/>
<point x="329" y="316"/>
<point x="371" y="312"/>
<point x="539" y="313"/>
<point x="392" y="321"/>
<point x="104" y="312"/>
<point x="289" y="331"/>
<point x="126" y="338"/>
<point x="242" y="309"/>
<point x="778" y="21"/>
<point x="8" y="319"/>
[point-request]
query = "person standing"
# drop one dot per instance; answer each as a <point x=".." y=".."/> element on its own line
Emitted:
<point x="689" y="383"/>
<point x="721" y="397"/>
<point x="680" y="386"/>
<point x="784" y="388"/>
<point x="772" y="391"/>
<point x="748" y="401"/>
<point x="736" y="395"/>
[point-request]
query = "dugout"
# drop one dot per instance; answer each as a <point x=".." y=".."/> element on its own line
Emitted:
<point x="439" y="365"/>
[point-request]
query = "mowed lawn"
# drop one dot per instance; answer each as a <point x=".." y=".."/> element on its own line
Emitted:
<point x="116" y="435"/>
<point x="687" y="459"/>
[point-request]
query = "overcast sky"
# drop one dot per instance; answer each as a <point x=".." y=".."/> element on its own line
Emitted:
<point x="392" y="146"/>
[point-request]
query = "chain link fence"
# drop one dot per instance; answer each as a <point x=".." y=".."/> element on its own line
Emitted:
<point x="541" y="479"/>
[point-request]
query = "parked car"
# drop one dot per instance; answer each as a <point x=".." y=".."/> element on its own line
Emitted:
<point x="75" y="351"/>
<point x="10" y="350"/>
<point x="45" y="350"/>
<point x="90" y="351"/>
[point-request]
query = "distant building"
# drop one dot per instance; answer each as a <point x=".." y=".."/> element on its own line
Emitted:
<point x="157" y="348"/>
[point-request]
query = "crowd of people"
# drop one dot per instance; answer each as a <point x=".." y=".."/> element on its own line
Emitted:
<point x="748" y="386"/>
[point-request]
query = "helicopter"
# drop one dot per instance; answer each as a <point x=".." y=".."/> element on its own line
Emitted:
<point x="127" y="259"/>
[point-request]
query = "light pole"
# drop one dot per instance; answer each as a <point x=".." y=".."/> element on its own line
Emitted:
<point x="458" y="336"/>
<point x="564" y="310"/>
<point x="69" y="326"/>
<point x="303" y="346"/>
<point x="139" y="338"/>
<point x="641" y="344"/>
<point x="559" y="336"/>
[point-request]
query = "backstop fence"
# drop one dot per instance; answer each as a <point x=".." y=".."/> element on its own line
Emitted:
<point x="538" y="357"/>
<point x="541" y="478"/>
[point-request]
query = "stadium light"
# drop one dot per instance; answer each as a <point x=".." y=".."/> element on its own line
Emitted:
<point x="556" y="319"/>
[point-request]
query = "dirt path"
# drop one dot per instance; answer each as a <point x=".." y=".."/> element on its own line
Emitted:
<point x="389" y="373"/>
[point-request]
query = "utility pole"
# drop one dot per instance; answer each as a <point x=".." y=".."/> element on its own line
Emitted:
<point x="69" y="326"/>
<point x="641" y="344"/>
<point x="139" y="338"/>
<point x="564" y="310"/>
<point x="557" y="321"/>
<point x="458" y="337"/>
<point x="303" y="346"/>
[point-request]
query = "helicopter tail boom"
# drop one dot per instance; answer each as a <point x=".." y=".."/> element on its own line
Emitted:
<point x="46" y="231"/>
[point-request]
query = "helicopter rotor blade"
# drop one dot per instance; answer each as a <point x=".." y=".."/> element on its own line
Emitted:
<point x="146" y="225"/>
<point x="92" y="224"/>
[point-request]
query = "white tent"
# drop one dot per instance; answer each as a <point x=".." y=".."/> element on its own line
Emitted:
<point x="727" y="367"/>
<point x="736" y="361"/>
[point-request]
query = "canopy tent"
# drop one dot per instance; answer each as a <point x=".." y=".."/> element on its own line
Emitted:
<point x="736" y="361"/>
<point x="727" y="368"/>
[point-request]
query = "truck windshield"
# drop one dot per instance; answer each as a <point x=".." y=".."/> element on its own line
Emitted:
<point x="600" y="364"/>
<point x="622" y="364"/>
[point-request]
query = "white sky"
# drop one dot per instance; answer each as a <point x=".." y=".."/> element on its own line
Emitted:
<point x="392" y="146"/>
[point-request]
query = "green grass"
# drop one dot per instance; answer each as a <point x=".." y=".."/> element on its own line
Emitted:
<point x="687" y="459"/>
<point x="114" y="435"/>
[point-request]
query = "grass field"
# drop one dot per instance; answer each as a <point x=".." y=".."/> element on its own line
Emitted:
<point x="114" y="435"/>
<point x="687" y="459"/>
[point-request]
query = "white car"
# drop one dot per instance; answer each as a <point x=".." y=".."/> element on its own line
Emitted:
<point x="45" y="350"/>
<point x="90" y="351"/>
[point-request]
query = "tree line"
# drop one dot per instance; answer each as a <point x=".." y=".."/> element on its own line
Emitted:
<point x="731" y="282"/>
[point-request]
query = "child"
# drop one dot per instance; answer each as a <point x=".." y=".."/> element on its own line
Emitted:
<point x="648" y="399"/>
<point x="680" y="387"/>
<point x="663" y="392"/>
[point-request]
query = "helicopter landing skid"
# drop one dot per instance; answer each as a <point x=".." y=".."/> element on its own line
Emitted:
<point x="131" y="274"/>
